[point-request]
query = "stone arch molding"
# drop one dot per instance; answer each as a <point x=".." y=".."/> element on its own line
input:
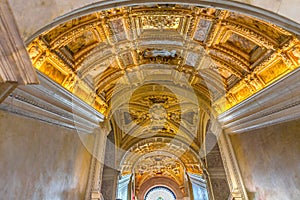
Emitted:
<point x="180" y="151"/>
<point x="111" y="49"/>
<point x="59" y="10"/>
<point x="166" y="158"/>
<point x="169" y="183"/>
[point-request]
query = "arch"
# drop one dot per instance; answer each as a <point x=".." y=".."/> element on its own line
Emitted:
<point x="158" y="164"/>
<point x="161" y="181"/>
<point x="169" y="194"/>
<point x="243" y="77"/>
<point x="174" y="147"/>
<point x="163" y="153"/>
<point x="224" y="40"/>
<point x="252" y="8"/>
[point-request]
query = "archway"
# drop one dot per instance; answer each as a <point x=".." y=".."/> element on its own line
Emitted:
<point x="160" y="193"/>
<point x="249" y="48"/>
<point x="161" y="182"/>
<point x="137" y="53"/>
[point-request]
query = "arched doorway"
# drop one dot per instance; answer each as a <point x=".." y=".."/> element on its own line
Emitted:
<point x="164" y="182"/>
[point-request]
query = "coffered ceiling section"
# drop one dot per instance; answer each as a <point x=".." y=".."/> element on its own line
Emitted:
<point x="159" y="166"/>
<point x="224" y="56"/>
<point x="153" y="110"/>
<point x="160" y="157"/>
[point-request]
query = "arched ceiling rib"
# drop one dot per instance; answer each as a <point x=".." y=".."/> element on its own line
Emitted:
<point x="158" y="164"/>
<point x="174" y="147"/>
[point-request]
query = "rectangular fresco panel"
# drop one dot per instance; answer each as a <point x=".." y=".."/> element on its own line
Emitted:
<point x="202" y="30"/>
<point x="273" y="72"/>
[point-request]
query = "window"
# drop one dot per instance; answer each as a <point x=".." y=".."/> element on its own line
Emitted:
<point x="160" y="193"/>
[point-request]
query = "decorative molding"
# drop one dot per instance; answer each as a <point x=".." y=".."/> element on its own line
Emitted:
<point x="96" y="52"/>
<point x="6" y="89"/>
<point x="93" y="189"/>
<point x="274" y="104"/>
<point x="50" y="103"/>
<point x="158" y="165"/>
<point x="234" y="177"/>
<point x="188" y="157"/>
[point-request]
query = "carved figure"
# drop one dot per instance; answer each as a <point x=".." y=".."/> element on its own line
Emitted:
<point x="34" y="52"/>
<point x="296" y="53"/>
<point x="158" y="115"/>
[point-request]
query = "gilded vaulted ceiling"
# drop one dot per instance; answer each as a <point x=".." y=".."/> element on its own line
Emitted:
<point x="159" y="166"/>
<point x="162" y="71"/>
<point x="160" y="157"/>
<point x="232" y="53"/>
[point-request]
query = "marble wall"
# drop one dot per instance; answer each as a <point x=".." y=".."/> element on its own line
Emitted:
<point x="269" y="161"/>
<point x="41" y="161"/>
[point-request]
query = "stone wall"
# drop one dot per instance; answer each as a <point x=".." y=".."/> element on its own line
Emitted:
<point x="41" y="161"/>
<point x="269" y="161"/>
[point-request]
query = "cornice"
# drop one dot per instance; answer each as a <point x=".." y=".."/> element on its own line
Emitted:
<point x="223" y="4"/>
<point x="51" y="103"/>
<point x="274" y="104"/>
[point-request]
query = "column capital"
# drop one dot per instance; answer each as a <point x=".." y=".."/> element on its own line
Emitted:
<point x="105" y="127"/>
<point x="96" y="195"/>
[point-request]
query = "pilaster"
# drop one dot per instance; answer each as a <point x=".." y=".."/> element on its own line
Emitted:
<point x="235" y="181"/>
<point x="123" y="187"/>
<point x="93" y="191"/>
<point x="198" y="186"/>
<point x="15" y="65"/>
<point x="214" y="171"/>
